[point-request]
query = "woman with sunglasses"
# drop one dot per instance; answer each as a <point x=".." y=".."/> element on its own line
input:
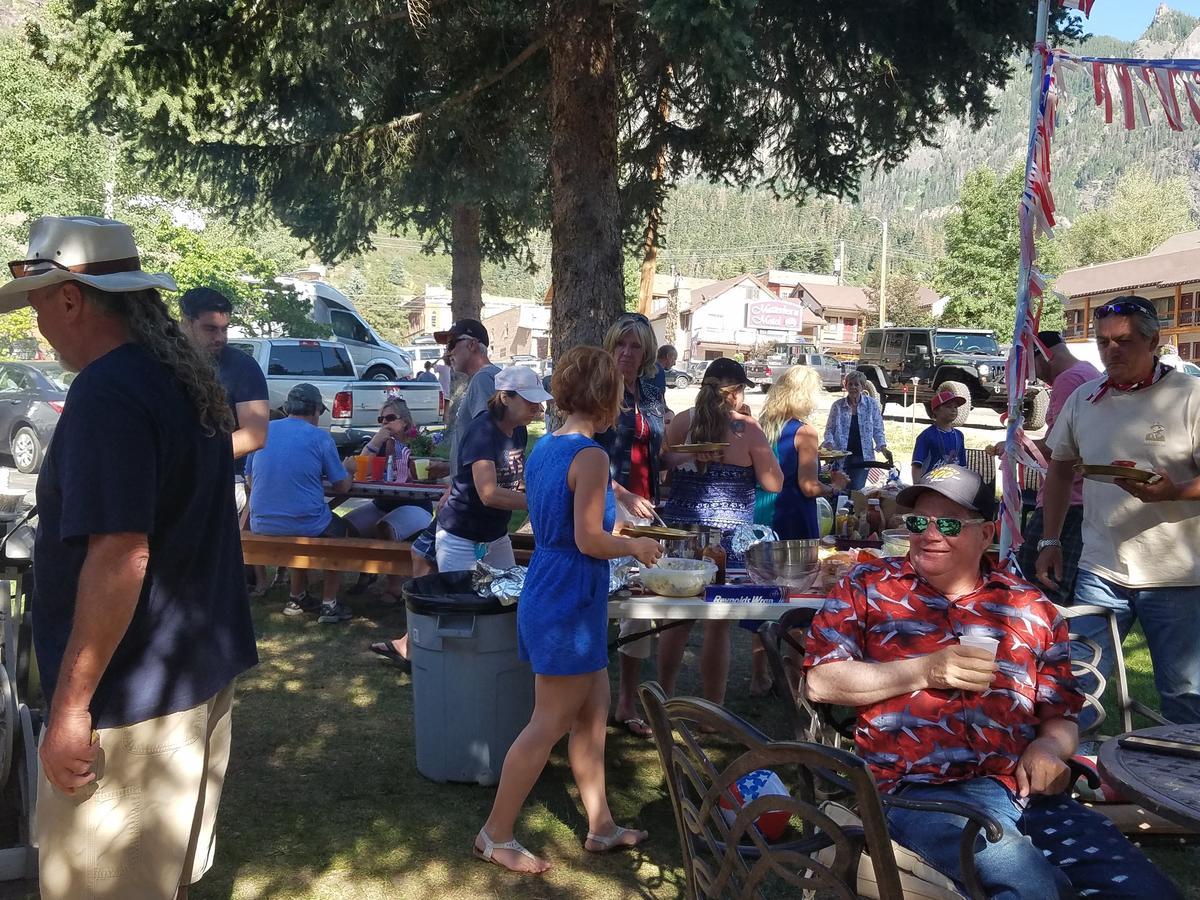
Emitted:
<point x="716" y="490"/>
<point x="472" y="524"/>
<point x="634" y="447"/>
<point x="855" y="425"/>
<point x="390" y="520"/>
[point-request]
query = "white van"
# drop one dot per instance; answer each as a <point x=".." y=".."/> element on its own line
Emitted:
<point x="375" y="358"/>
<point x="423" y="353"/>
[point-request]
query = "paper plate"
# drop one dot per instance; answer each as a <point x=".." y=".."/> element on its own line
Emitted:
<point x="1108" y="474"/>
<point x="699" y="448"/>
<point x="833" y="454"/>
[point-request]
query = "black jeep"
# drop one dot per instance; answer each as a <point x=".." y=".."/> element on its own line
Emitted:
<point x="966" y="361"/>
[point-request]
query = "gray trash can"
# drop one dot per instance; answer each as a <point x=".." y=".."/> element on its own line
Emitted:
<point x="472" y="695"/>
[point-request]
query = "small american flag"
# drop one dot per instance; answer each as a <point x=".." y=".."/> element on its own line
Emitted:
<point x="1084" y="6"/>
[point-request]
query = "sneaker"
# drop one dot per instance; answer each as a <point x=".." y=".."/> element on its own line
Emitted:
<point x="298" y="606"/>
<point x="333" y="613"/>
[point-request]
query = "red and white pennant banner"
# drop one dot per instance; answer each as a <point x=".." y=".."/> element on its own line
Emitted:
<point x="1135" y="85"/>
<point x="1084" y="6"/>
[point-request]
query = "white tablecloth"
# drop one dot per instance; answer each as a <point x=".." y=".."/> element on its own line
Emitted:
<point x="664" y="608"/>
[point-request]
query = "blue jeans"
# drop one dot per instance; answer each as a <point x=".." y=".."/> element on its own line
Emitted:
<point x="858" y="477"/>
<point x="1010" y="869"/>
<point x="1170" y="618"/>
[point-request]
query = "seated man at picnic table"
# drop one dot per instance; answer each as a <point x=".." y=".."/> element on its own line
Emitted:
<point x="287" y="494"/>
<point x="939" y="720"/>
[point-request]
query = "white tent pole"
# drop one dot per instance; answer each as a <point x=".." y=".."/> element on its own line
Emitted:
<point x="1009" y="465"/>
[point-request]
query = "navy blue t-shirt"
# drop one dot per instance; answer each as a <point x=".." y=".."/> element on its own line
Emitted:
<point x="244" y="381"/>
<point x="130" y="455"/>
<point x="935" y="447"/>
<point x="464" y="515"/>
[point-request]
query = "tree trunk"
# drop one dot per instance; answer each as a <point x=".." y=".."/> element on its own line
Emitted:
<point x="585" y="234"/>
<point x="654" y="220"/>
<point x="671" y="334"/>
<point x="466" y="278"/>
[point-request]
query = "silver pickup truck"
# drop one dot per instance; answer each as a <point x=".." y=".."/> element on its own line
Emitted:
<point x="353" y="405"/>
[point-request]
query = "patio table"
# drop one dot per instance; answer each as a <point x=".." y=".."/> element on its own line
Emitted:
<point x="1166" y="784"/>
<point x="382" y="490"/>
<point x="671" y="612"/>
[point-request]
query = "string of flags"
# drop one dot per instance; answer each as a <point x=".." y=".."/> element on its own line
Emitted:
<point x="1084" y="6"/>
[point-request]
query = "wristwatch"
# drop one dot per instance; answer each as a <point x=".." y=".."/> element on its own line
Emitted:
<point x="1048" y="542"/>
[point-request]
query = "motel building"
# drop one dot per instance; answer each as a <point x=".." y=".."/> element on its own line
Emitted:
<point x="1169" y="276"/>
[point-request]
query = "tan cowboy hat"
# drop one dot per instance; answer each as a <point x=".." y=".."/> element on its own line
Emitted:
<point x="98" y="252"/>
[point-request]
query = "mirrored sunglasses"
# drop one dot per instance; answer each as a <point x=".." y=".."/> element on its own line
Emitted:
<point x="947" y="527"/>
<point x="1124" y="308"/>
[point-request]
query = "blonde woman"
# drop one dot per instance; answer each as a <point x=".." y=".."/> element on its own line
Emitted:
<point x="792" y="512"/>
<point x="720" y="496"/>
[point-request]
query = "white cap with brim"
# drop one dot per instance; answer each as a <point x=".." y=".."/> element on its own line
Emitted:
<point x="97" y="252"/>
<point x="524" y="381"/>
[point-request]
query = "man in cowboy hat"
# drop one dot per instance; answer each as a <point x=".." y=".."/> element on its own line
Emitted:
<point x="140" y="615"/>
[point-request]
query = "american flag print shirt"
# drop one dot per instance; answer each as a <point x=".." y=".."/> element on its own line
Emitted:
<point x="884" y="611"/>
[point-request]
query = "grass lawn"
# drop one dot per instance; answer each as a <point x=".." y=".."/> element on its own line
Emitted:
<point x="323" y="799"/>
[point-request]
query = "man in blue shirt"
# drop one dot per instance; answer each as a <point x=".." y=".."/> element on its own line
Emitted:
<point x="140" y="615"/>
<point x="287" y="493"/>
<point x="205" y="320"/>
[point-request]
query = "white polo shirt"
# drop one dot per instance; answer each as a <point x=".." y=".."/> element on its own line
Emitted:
<point x="1126" y="541"/>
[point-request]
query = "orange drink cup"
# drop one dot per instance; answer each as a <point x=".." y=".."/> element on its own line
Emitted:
<point x="362" y="467"/>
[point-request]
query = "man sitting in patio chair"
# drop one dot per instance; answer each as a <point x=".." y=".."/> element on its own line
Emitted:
<point x="940" y="719"/>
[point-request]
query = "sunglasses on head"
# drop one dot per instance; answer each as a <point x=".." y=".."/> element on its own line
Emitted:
<point x="1126" y="306"/>
<point x="26" y="268"/>
<point x="388" y="419"/>
<point x="947" y="527"/>
<point x="634" y="317"/>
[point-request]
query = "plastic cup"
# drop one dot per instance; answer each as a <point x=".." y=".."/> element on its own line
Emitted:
<point x="991" y="645"/>
<point x="378" y="468"/>
<point x="421" y="469"/>
<point x="362" y="467"/>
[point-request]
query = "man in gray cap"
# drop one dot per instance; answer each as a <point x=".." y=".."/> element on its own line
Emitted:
<point x="961" y="677"/>
<point x="140" y="615"/>
<point x="287" y="494"/>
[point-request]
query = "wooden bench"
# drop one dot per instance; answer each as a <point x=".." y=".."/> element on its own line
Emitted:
<point x="368" y="555"/>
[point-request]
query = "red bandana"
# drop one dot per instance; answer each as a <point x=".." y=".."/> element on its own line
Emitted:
<point x="1156" y="374"/>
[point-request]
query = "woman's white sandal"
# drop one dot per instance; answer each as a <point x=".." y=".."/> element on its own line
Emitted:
<point x="490" y="847"/>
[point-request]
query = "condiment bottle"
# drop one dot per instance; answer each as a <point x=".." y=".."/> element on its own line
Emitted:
<point x="875" y="521"/>
<point x="714" y="551"/>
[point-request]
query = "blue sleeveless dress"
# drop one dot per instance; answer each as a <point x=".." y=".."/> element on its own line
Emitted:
<point x="792" y="514"/>
<point x="562" y="616"/>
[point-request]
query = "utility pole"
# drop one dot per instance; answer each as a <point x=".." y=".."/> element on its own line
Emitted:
<point x="840" y="267"/>
<point x="883" y="279"/>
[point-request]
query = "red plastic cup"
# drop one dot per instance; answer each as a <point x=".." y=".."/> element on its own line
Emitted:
<point x="378" y="468"/>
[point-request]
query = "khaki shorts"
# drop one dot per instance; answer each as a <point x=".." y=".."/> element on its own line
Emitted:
<point x="146" y="825"/>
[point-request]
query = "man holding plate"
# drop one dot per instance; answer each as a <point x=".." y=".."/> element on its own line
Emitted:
<point x="1140" y="532"/>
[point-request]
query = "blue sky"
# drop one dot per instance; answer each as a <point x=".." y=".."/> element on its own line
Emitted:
<point x="1127" y="19"/>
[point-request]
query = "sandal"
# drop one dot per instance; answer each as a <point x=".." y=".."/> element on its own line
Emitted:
<point x="388" y="652"/>
<point x="610" y="842"/>
<point x="490" y="847"/>
<point x="635" y="726"/>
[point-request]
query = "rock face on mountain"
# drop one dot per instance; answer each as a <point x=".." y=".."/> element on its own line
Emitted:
<point x="13" y="12"/>
<point x="1089" y="156"/>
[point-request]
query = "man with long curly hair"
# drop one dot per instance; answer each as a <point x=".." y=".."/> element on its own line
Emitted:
<point x="140" y="616"/>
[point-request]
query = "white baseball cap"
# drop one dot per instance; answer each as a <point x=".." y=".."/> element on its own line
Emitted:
<point x="97" y="252"/>
<point x="524" y="381"/>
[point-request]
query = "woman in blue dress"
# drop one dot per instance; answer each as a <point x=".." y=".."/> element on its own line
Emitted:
<point x="716" y="490"/>
<point x="562" y="617"/>
<point x="792" y="512"/>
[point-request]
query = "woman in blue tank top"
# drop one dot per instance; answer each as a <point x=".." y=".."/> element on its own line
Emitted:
<point x="562" y="616"/>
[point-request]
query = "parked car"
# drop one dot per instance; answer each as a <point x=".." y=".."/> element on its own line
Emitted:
<point x="353" y="404"/>
<point x="678" y="378"/>
<point x="374" y="358"/>
<point x="967" y="361"/>
<point x="32" y="397"/>
<point x="765" y="372"/>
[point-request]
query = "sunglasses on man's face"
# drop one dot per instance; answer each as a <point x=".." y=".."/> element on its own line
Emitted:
<point x="1124" y="308"/>
<point x="946" y="527"/>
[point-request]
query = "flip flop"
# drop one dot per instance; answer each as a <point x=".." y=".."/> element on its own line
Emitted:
<point x="388" y="652"/>
<point x="635" y="726"/>
<point x="490" y="847"/>
<point x="611" y="842"/>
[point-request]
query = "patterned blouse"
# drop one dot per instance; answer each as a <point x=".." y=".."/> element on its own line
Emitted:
<point x="870" y="425"/>
<point x="885" y="611"/>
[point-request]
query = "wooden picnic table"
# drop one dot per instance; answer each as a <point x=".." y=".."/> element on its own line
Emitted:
<point x="383" y="490"/>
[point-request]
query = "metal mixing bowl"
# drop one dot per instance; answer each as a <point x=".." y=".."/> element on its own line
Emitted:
<point x="793" y="564"/>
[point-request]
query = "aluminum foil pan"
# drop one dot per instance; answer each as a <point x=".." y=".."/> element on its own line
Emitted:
<point x="503" y="584"/>
<point x="620" y="573"/>
<point x="746" y="536"/>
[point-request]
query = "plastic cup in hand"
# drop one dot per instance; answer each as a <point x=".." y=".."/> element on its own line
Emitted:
<point x="378" y="467"/>
<point x="362" y="467"/>
<point x="991" y="645"/>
